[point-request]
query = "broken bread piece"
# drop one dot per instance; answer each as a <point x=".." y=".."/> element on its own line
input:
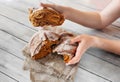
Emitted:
<point x="66" y="49"/>
<point x="42" y="44"/>
<point x="46" y="42"/>
<point x="45" y="17"/>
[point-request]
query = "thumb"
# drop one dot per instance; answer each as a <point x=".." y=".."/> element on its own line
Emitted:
<point x="75" y="40"/>
<point x="79" y="52"/>
<point x="74" y="60"/>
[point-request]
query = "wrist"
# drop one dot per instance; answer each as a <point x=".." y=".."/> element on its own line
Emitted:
<point x="66" y="12"/>
<point x="96" y="42"/>
<point x="99" y="42"/>
<point x="62" y="9"/>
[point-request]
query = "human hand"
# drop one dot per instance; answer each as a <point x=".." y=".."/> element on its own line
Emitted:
<point x="84" y="42"/>
<point x="61" y="9"/>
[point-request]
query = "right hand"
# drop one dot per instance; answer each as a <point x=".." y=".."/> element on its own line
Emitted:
<point x="85" y="42"/>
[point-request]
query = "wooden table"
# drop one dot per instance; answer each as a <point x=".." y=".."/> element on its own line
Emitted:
<point x="15" y="31"/>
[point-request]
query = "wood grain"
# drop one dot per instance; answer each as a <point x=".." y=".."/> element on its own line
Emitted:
<point x="12" y="66"/>
<point x="15" y="31"/>
<point x="5" y="78"/>
<point x="100" y="67"/>
<point x="11" y="44"/>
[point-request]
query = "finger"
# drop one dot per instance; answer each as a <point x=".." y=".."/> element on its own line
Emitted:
<point x="76" y="39"/>
<point x="47" y="5"/>
<point x="77" y="55"/>
<point x="82" y="47"/>
<point x="74" y="60"/>
<point x="79" y="52"/>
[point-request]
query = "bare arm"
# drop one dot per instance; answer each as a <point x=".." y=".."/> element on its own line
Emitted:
<point x="87" y="41"/>
<point x="96" y="20"/>
<point x="109" y="45"/>
<point x="110" y="13"/>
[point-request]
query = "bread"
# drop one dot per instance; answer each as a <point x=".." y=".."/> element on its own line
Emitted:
<point x="66" y="49"/>
<point x="42" y="44"/>
<point x="45" y="42"/>
<point x="45" y="17"/>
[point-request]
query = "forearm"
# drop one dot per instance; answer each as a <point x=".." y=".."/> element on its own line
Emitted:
<point x="108" y="45"/>
<point x="94" y="19"/>
<point x="88" y="19"/>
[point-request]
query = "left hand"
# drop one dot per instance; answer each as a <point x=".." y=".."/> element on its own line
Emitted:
<point x="61" y="9"/>
<point x="85" y="42"/>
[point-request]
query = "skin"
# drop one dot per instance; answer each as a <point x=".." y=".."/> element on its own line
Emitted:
<point x="95" y="20"/>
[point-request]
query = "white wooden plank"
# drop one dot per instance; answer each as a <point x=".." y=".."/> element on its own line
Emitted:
<point x="111" y="30"/>
<point x="16" y="29"/>
<point x="86" y="3"/>
<point x="22" y="5"/>
<point x="84" y="76"/>
<point x="15" y="15"/>
<point x="94" y="4"/>
<point x="1" y="33"/>
<point x="19" y="31"/>
<point x="70" y="23"/>
<point x="12" y="66"/>
<point x="16" y="4"/>
<point x="96" y="71"/>
<point x="17" y="49"/>
<point x="26" y="4"/>
<point x="118" y="20"/>
<point x="100" y="67"/>
<point x="117" y="23"/>
<point x="4" y="78"/>
<point x="76" y="28"/>
<point x="11" y="44"/>
<point x="105" y="56"/>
